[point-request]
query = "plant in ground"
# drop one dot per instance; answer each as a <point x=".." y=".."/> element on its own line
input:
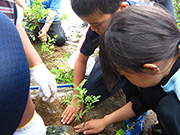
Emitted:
<point x="177" y="11"/>
<point x="87" y="100"/>
<point x="63" y="75"/>
<point x="33" y="15"/>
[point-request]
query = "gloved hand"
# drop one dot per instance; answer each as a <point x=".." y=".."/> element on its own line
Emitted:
<point x="46" y="81"/>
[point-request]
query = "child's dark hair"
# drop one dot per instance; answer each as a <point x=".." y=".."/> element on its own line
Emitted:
<point x="89" y="7"/>
<point x="136" y="36"/>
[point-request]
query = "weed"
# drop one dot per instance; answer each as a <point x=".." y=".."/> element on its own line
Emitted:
<point x="177" y="11"/>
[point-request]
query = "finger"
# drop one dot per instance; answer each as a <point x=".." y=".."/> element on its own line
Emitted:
<point x="66" y="119"/>
<point x="78" y="127"/>
<point x="91" y="131"/>
<point x="41" y="35"/>
<point x="44" y="99"/>
<point x="40" y="93"/>
<point x="46" y="91"/>
<point x="64" y="115"/>
<point x="71" y="118"/>
<point x="66" y="111"/>
<point x="53" y="87"/>
<point x="51" y="99"/>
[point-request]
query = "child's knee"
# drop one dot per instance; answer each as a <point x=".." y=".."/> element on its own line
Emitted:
<point x="60" y="40"/>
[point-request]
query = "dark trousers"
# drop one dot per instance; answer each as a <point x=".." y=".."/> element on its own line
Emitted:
<point x="54" y="30"/>
<point x="168" y="114"/>
<point x="95" y="83"/>
<point x="166" y="106"/>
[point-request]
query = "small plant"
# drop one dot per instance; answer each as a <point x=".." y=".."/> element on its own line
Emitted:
<point x="177" y="11"/>
<point x="63" y="76"/>
<point x="33" y="15"/>
<point x="64" y="17"/>
<point x="87" y="100"/>
<point x="121" y="131"/>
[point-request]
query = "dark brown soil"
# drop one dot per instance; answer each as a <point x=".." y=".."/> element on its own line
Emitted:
<point x="51" y="112"/>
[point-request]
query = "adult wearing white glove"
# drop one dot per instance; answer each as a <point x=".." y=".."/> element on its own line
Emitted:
<point x="46" y="80"/>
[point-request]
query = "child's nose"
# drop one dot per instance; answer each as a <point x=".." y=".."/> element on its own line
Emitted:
<point x="95" y="29"/>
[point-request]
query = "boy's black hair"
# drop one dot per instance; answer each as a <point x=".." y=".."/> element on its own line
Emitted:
<point x="89" y="7"/>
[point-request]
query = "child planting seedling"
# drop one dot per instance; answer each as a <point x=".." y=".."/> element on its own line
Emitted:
<point x="44" y="23"/>
<point x="83" y="99"/>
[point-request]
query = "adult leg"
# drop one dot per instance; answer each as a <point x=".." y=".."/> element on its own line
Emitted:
<point x="33" y="33"/>
<point x="56" y="29"/>
<point x="168" y="114"/>
<point x="14" y="76"/>
<point x="95" y="83"/>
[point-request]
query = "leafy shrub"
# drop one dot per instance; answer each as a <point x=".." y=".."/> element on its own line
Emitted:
<point x="177" y="11"/>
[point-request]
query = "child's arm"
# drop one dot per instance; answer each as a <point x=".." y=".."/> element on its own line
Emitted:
<point x="98" y="125"/>
<point x="79" y="74"/>
<point x="47" y="25"/>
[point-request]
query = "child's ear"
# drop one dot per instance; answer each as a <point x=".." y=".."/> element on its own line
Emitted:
<point x="152" y="68"/>
<point x="123" y="5"/>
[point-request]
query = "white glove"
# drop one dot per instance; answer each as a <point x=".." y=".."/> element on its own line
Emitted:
<point x="46" y="81"/>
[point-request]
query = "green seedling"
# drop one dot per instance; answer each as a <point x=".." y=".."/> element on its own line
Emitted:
<point x="87" y="100"/>
<point x="33" y="15"/>
<point x="63" y="76"/>
<point x="177" y="11"/>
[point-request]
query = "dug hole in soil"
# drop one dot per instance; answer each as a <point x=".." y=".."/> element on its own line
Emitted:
<point x="75" y="31"/>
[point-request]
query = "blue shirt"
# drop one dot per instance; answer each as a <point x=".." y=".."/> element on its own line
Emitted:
<point x="53" y="5"/>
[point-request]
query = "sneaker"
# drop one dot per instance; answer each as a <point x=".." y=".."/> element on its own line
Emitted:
<point x="134" y="128"/>
<point x="155" y="129"/>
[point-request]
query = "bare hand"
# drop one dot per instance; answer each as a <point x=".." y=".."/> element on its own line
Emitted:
<point x="91" y="127"/>
<point x="69" y="114"/>
<point x="43" y="35"/>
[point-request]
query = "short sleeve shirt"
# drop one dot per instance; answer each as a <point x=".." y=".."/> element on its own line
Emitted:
<point x="91" y="41"/>
<point x="53" y="5"/>
<point x="9" y="9"/>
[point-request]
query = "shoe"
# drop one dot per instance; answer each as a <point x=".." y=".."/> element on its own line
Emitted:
<point x="134" y="128"/>
<point x="155" y="129"/>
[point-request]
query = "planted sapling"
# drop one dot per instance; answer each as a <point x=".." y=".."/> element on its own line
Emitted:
<point x="83" y="99"/>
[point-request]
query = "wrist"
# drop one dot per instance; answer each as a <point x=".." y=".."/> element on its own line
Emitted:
<point x="107" y="120"/>
<point x="37" y="66"/>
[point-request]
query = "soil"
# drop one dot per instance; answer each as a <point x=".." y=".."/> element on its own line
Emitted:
<point x="51" y="112"/>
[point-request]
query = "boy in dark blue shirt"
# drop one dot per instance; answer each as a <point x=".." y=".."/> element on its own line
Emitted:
<point x="97" y="13"/>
